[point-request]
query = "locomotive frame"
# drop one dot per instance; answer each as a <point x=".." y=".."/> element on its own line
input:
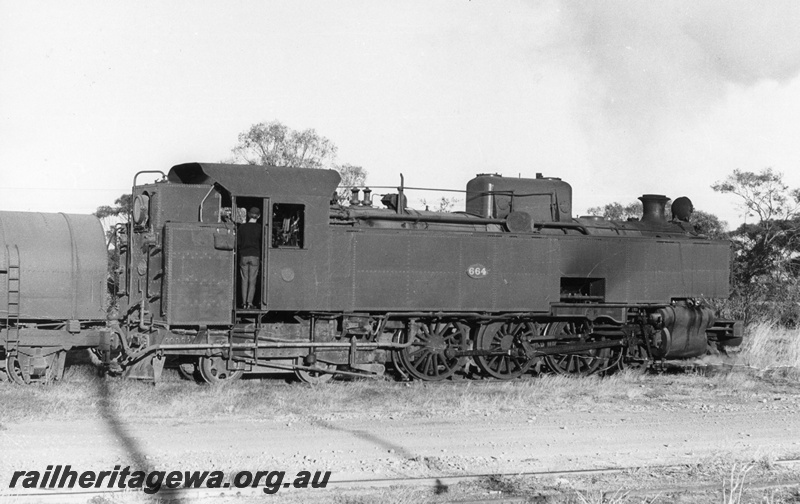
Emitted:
<point x="512" y="284"/>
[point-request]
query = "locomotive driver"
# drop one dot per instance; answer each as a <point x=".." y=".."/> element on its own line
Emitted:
<point x="249" y="244"/>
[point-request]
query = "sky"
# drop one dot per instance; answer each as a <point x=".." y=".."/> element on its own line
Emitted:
<point x="618" y="98"/>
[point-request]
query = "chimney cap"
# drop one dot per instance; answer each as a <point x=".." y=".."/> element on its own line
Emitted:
<point x="654" y="207"/>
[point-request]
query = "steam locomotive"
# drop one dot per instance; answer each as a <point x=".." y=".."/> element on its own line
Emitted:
<point x="511" y="285"/>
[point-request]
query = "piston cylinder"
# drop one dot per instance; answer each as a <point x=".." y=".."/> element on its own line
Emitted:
<point x="681" y="331"/>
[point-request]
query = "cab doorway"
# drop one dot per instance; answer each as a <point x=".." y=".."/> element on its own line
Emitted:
<point x="250" y="233"/>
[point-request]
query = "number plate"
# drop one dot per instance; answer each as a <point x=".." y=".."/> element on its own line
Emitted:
<point x="477" y="271"/>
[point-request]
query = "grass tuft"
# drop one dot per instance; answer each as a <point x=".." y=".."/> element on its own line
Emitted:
<point x="770" y="348"/>
<point x="84" y="394"/>
<point x="733" y="487"/>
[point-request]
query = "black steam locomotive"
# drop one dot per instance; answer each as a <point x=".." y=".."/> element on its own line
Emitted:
<point x="512" y="284"/>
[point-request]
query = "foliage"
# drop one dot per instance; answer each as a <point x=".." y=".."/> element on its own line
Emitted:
<point x="275" y="144"/>
<point x="763" y="194"/>
<point x="765" y="270"/>
<point x="704" y="222"/>
<point x="352" y="176"/>
<point x="110" y="216"/>
<point x="443" y="205"/>
<point x="709" y="225"/>
<point x="121" y="209"/>
<point x="767" y="247"/>
<point x="618" y="211"/>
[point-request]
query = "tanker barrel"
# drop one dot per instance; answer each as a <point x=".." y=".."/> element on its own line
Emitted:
<point x="55" y="266"/>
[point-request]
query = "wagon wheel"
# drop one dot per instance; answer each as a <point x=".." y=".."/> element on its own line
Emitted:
<point x="20" y="374"/>
<point x="431" y="356"/>
<point x="506" y="338"/>
<point x="16" y="372"/>
<point x="582" y="363"/>
<point x="215" y="370"/>
<point x="312" y="376"/>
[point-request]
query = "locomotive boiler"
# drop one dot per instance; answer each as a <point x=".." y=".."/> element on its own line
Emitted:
<point x="511" y="284"/>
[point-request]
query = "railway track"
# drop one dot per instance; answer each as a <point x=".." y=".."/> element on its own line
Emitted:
<point x="439" y="485"/>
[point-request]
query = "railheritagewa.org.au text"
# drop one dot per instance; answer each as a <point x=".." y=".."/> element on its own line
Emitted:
<point x="66" y="477"/>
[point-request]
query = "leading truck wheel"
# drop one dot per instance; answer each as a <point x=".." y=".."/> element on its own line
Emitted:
<point x="214" y="370"/>
<point x="583" y="363"/>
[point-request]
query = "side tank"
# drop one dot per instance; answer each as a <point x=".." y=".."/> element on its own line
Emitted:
<point x="52" y="267"/>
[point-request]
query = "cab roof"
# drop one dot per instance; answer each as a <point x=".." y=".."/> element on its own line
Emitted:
<point x="254" y="180"/>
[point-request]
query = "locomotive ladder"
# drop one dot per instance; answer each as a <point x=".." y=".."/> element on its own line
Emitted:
<point x="12" y="289"/>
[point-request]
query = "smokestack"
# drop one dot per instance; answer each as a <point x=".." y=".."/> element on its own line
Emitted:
<point x="654" y="207"/>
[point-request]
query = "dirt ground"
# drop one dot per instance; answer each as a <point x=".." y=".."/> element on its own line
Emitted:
<point x="360" y="447"/>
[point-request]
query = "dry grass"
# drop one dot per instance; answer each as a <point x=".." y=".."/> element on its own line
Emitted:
<point x="83" y="395"/>
<point x="769" y="350"/>
<point x="733" y="487"/>
<point x="768" y="347"/>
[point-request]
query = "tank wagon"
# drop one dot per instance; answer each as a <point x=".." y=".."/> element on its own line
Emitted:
<point x="512" y="284"/>
<point x="53" y="270"/>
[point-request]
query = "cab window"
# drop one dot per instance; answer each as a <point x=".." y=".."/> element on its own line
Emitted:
<point x="288" y="222"/>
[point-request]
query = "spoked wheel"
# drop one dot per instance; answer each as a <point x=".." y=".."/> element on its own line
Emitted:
<point x="20" y="374"/>
<point x="431" y="357"/>
<point x="582" y="363"/>
<point x="16" y="373"/>
<point x="313" y="376"/>
<point x="506" y="339"/>
<point x="215" y="370"/>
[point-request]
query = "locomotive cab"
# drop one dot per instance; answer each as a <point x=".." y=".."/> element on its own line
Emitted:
<point x="183" y="260"/>
<point x="294" y="228"/>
